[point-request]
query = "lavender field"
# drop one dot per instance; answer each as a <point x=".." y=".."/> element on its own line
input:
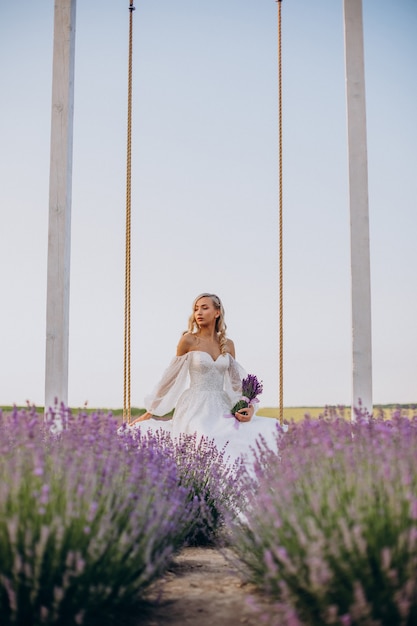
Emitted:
<point x="325" y="523"/>
<point x="90" y="515"/>
<point x="331" y="527"/>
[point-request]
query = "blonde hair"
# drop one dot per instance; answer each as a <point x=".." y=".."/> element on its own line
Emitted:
<point x="220" y="323"/>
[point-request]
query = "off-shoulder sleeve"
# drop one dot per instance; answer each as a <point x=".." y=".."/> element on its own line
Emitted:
<point x="166" y="393"/>
<point x="233" y="380"/>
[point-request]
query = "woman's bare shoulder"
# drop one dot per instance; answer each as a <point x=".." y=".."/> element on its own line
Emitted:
<point x="185" y="343"/>
<point x="230" y="348"/>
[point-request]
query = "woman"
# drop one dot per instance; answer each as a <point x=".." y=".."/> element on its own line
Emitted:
<point x="207" y="356"/>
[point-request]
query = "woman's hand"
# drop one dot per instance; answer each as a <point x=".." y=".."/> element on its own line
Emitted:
<point x="142" y="418"/>
<point x="245" y="415"/>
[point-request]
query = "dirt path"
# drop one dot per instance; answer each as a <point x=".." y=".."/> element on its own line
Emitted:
<point x="202" y="588"/>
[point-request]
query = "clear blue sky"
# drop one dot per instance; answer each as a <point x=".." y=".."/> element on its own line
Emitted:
<point x="205" y="193"/>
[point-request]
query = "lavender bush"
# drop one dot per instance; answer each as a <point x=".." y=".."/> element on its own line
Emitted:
<point x="212" y="483"/>
<point x="331" y="530"/>
<point x="88" y="518"/>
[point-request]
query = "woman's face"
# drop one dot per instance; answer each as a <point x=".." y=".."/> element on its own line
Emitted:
<point x="205" y="313"/>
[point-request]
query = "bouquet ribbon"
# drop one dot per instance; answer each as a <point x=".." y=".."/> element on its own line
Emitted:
<point x="249" y="401"/>
<point x="236" y="424"/>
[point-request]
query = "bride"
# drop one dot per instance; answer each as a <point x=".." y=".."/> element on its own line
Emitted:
<point x="206" y="357"/>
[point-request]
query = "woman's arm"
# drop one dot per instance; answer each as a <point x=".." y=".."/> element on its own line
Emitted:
<point x="185" y="344"/>
<point x="166" y="393"/>
<point x="142" y="418"/>
<point x="236" y="374"/>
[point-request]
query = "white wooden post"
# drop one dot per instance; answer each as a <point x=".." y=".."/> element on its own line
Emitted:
<point x="60" y="186"/>
<point x="359" y="213"/>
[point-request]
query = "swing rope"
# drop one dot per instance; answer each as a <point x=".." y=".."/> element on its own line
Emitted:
<point x="127" y="351"/>
<point x="127" y="318"/>
<point x="281" y="280"/>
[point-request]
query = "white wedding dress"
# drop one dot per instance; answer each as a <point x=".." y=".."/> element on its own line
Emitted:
<point x="204" y="407"/>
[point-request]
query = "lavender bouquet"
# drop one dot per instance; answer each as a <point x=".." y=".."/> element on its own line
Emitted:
<point x="251" y="388"/>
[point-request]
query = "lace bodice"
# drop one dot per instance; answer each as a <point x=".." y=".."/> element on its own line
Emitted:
<point x="207" y="373"/>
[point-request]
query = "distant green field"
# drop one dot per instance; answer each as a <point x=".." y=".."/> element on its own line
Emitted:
<point x="296" y="413"/>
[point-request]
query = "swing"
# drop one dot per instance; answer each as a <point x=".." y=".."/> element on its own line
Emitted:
<point x="127" y="311"/>
<point x="127" y="346"/>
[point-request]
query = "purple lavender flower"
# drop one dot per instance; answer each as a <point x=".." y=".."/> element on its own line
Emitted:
<point x="251" y="389"/>
<point x="89" y="517"/>
<point x="214" y="485"/>
<point x="331" y="530"/>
